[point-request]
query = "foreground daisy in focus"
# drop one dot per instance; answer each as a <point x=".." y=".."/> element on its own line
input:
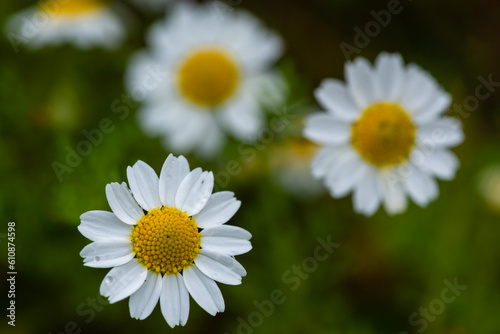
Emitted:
<point x="205" y="75"/>
<point x="384" y="135"/>
<point x="166" y="240"/>
<point x="83" y="23"/>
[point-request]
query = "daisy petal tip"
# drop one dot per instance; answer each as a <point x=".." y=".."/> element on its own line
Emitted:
<point x="237" y="203"/>
<point x="141" y="163"/>
<point x="82" y="216"/>
<point x="79" y="227"/>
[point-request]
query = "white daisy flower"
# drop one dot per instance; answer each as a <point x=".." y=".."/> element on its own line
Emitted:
<point x="218" y="74"/>
<point x="166" y="240"/>
<point x="384" y="135"/>
<point x="83" y="23"/>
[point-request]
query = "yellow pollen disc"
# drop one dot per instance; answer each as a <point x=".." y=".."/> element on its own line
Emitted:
<point x="166" y="240"/>
<point x="384" y="134"/>
<point x="71" y="7"/>
<point x="208" y="77"/>
<point x="303" y="148"/>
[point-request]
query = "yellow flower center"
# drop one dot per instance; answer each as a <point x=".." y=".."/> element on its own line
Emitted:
<point x="208" y="77"/>
<point x="166" y="240"/>
<point x="302" y="148"/>
<point x="384" y="134"/>
<point x="70" y="7"/>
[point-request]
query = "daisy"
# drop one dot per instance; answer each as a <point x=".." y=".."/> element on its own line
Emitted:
<point x="489" y="186"/>
<point x="216" y="78"/>
<point x="290" y="162"/>
<point x="166" y="240"/>
<point x="384" y="135"/>
<point x="83" y="23"/>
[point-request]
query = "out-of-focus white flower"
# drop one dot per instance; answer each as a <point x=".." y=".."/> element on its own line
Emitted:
<point x="216" y="75"/>
<point x="83" y="23"/>
<point x="384" y="135"/>
<point x="489" y="186"/>
<point x="290" y="163"/>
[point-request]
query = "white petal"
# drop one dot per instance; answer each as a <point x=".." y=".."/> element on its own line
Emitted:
<point x="107" y="253"/>
<point x="156" y="120"/>
<point x="395" y="200"/>
<point x="194" y="191"/>
<point x="390" y="76"/>
<point x="216" y="270"/>
<point x="213" y="142"/>
<point x="141" y="75"/>
<point x="242" y="117"/>
<point x="359" y="75"/>
<point x="326" y="129"/>
<point x="342" y="179"/>
<point x="421" y="187"/>
<point x="103" y="225"/>
<point x="144" y="184"/>
<point x="339" y="177"/>
<point x="184" y="294"/>
<point x="246" y="32"/>
<point x="334" y="97"/>
<point x="219" y="209"/>
<point x="226" y="245"/>
<point x="227" y="231"/>
<point x="444" y="132"/>
<point x="143" y="301"/>
<point x="438" y="104"/>
<point x="123" y="204"/>
<point x="123" y="281"/>
<point x="441" y="163"/>
<point x="193" y="124"/>
<point x="174" y="300"/>
<point x="367" y="194"/>
<point x="174" y="170"/>
<point x="323" y="161"/>
<point x="418" y="89"/>
<point x="330" y="160"/>
<point x="203" y="290"/>
<point x="227" y="260"/>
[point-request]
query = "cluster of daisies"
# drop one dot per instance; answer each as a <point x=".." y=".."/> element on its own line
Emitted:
<point x="382" y="137"/>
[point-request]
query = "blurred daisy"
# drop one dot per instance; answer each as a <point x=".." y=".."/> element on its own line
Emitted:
<point x="218" y="77"/>
<point x="290" y="162"/>
<point x="384" y="135"/>
<point x="84" y="23"/>
<point x="489" y="186"/>
<point x="166" y="240"/>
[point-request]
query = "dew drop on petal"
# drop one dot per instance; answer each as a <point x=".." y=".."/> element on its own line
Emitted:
<point x="109" y="279"/>
<point x="97" y="259"/>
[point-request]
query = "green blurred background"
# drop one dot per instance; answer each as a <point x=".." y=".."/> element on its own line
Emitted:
<point x="385" y="269"/>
